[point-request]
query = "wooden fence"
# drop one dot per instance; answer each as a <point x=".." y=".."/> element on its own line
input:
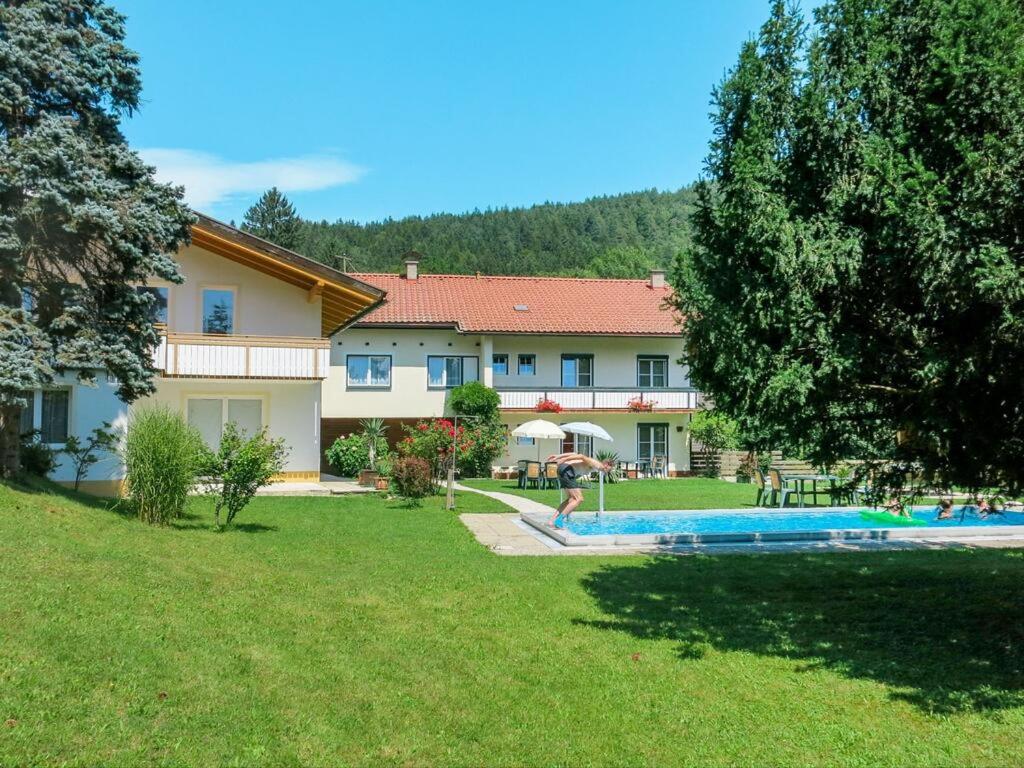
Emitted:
<point x="728" y="462"/>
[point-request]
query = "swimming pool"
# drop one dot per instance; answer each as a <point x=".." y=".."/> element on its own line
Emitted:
<point x="710" y="526"/>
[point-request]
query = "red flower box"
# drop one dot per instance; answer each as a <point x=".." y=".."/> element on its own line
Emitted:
<point x="638" y="405"/>
<point x="547" y="406"/>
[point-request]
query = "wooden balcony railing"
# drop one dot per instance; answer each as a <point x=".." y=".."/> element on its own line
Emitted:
<point x="215" y="356"/>
<point x="600" y="398"/>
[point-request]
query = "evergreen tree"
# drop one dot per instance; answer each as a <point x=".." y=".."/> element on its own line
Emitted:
<point x="81" y="219"/>
<point x="856" y="283"/>
<point x="273" y="218"/>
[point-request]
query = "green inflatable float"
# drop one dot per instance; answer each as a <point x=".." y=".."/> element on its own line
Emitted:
<point x="886" y="518"/>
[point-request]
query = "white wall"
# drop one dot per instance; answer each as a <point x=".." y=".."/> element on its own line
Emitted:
<point x="614" y="359"/>
<point x="408" y="396"/>
<point x="265" y="305"/>
<point x="621" y="426"/>
<point x="291" y="410"/>
<point x="88" y="407"/>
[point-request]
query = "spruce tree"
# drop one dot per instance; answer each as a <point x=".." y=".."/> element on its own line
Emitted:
<point x="855" y="283"/>
<point x="273" y="218"/>
<point x="82" y="221"/>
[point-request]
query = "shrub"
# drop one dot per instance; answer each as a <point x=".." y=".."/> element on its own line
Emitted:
<point x="348" y="455"/>
<point x="374" y="432"/>
<point x="37" y="458"/>
<point x="479" y="445"/>
<point x="609" y="457"/>
<point x="475" y="399"/>
<point x="83" y="454"/>
<point x="240" y="467"/>
<point x="162" y="456"/>
<point x="716" y="432"/>
<point x="412" y="477"/>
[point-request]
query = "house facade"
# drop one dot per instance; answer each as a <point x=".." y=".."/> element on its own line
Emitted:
<point x="604" y="351"/>
<point x="244" y="339"/>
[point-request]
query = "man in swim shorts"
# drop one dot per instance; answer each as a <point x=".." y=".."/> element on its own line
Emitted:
<point x="568" y="464"/>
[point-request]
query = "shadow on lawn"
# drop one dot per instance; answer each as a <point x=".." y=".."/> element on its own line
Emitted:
<point x="945" y="629"/>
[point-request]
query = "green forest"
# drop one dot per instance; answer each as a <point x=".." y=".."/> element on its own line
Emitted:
<point x="613" y="236"/>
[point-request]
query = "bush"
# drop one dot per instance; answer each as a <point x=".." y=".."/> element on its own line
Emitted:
<point x="480" y="444"/>
<point x="412" y="477"/>
<point x="475" y="399"/>
<point x="84" y="453"/>
<point x="162" y="456"/>
<point x="716" y="432"/>
<point x="348" y="455"/>
<point x="240" y="467"/>
<point x="37" y="458"/>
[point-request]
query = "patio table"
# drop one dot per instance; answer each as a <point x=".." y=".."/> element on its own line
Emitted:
<point x="802" y="479"/>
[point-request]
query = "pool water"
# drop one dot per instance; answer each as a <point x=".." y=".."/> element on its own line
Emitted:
<point x="765" y="521"/>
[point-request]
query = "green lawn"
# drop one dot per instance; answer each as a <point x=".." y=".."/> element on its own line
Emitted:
<point x="332" y="631"/>
<point x="681" y="493"/>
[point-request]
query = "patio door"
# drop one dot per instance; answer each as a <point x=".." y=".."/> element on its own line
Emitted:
<point x="651" y="441"/>
<point x="578" y="444"/>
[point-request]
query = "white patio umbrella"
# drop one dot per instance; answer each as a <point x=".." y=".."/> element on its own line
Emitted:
<point x="592" y="430"/>
<point x="539" y="429"/>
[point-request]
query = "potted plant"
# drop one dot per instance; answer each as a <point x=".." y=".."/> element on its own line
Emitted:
<point x="384" y="465"/>
<point x="544" y="405"/>
<point x="374" y="432"/>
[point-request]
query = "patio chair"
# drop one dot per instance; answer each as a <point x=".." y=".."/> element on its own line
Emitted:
<point x="764" y="490"/>
<point x="532" y="475"/>
<point x="550" y="478"/>
<point x="780" y="489"/>
<point x="659" y="467"/>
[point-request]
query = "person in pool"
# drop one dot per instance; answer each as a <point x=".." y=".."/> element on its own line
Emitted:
<point x="568" y="463"/>
<point x="945" y="509"/>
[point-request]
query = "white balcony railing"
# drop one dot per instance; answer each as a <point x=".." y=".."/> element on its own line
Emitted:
<point x="201" y="355"/>
<point x="600" y="399"/>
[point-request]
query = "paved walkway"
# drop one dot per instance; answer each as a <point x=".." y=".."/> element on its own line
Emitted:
<point x="507" y="534"/>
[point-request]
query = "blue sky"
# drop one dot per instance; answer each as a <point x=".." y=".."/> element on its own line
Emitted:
<point x="375" y="109"/>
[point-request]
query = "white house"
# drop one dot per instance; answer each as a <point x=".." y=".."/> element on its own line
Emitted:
<point x="245" y="339"/>
<point x="606" y="351"/>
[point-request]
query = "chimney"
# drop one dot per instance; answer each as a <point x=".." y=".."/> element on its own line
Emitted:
<point x="412" y="265"/>
<point x="657" y="278"/>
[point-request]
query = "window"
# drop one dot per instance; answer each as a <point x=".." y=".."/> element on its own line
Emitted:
<point x="210" y="414"/>
<point x="651" y="441"/>
<point x="500" y="365"/>
<point x="527" y="365"/>
<point x="524" y="440"/>
<point x="369" y="370"/>
<point x="218" y="310"/>
<point x="577" y="370"/>
<point x="578" y="444"/>
<point x="652" y="371"/>
<point x="161" y="296"/>
<point x="54" y="424"/>
<point x="448" y="372"/>
<point x="27" y="423"/>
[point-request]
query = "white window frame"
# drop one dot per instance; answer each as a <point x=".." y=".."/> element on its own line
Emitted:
<point x="652" y="425"/>
<point x="233" y="289"/>
<point x="35" y="406"/>
<point x="444" y="373"/>
<point x="350" y="384"/>
<point x="651" y="359"/>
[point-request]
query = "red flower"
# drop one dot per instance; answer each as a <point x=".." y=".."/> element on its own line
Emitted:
<point x="422" y="426"/>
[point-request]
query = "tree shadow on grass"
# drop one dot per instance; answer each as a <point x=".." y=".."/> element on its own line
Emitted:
<point x="944" y="629"/>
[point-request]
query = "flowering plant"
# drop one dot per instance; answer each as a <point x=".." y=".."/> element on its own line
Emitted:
<point x="544" y="405"/>
<point x="639" y="405"/>
<point x="475" y="446"/>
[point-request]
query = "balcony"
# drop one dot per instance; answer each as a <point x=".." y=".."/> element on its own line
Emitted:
<point x="214" y="356"/>
<point x="669" y="399"/>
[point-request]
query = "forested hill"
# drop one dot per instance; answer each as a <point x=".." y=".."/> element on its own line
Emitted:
<point x="615" y="236"/>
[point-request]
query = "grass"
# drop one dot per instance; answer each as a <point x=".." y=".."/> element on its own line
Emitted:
<point x="682" y="493"/>
<point x="332" y="631"/>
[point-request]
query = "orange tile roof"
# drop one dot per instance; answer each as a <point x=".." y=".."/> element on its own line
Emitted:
<point x="553" y="305"/>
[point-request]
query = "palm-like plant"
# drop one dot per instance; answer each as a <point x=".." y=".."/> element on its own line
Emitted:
<point x="609" y="457"/>
<point x="374" y="430"/>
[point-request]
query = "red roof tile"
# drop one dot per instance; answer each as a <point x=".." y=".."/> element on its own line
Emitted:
<point x="553" y="305"/>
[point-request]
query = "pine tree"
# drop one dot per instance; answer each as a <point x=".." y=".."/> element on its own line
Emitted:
<point x="82" y="220"/>
<point x="855" y="284"/>
<point x="273" y="218"/>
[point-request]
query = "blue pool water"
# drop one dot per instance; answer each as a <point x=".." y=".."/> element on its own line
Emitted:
<point x="763" y="521"/>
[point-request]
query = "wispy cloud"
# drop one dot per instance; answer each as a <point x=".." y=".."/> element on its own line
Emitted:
<point x="209" y="179"/>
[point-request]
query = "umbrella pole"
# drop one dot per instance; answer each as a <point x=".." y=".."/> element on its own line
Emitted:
<point x="600" y="493"/>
